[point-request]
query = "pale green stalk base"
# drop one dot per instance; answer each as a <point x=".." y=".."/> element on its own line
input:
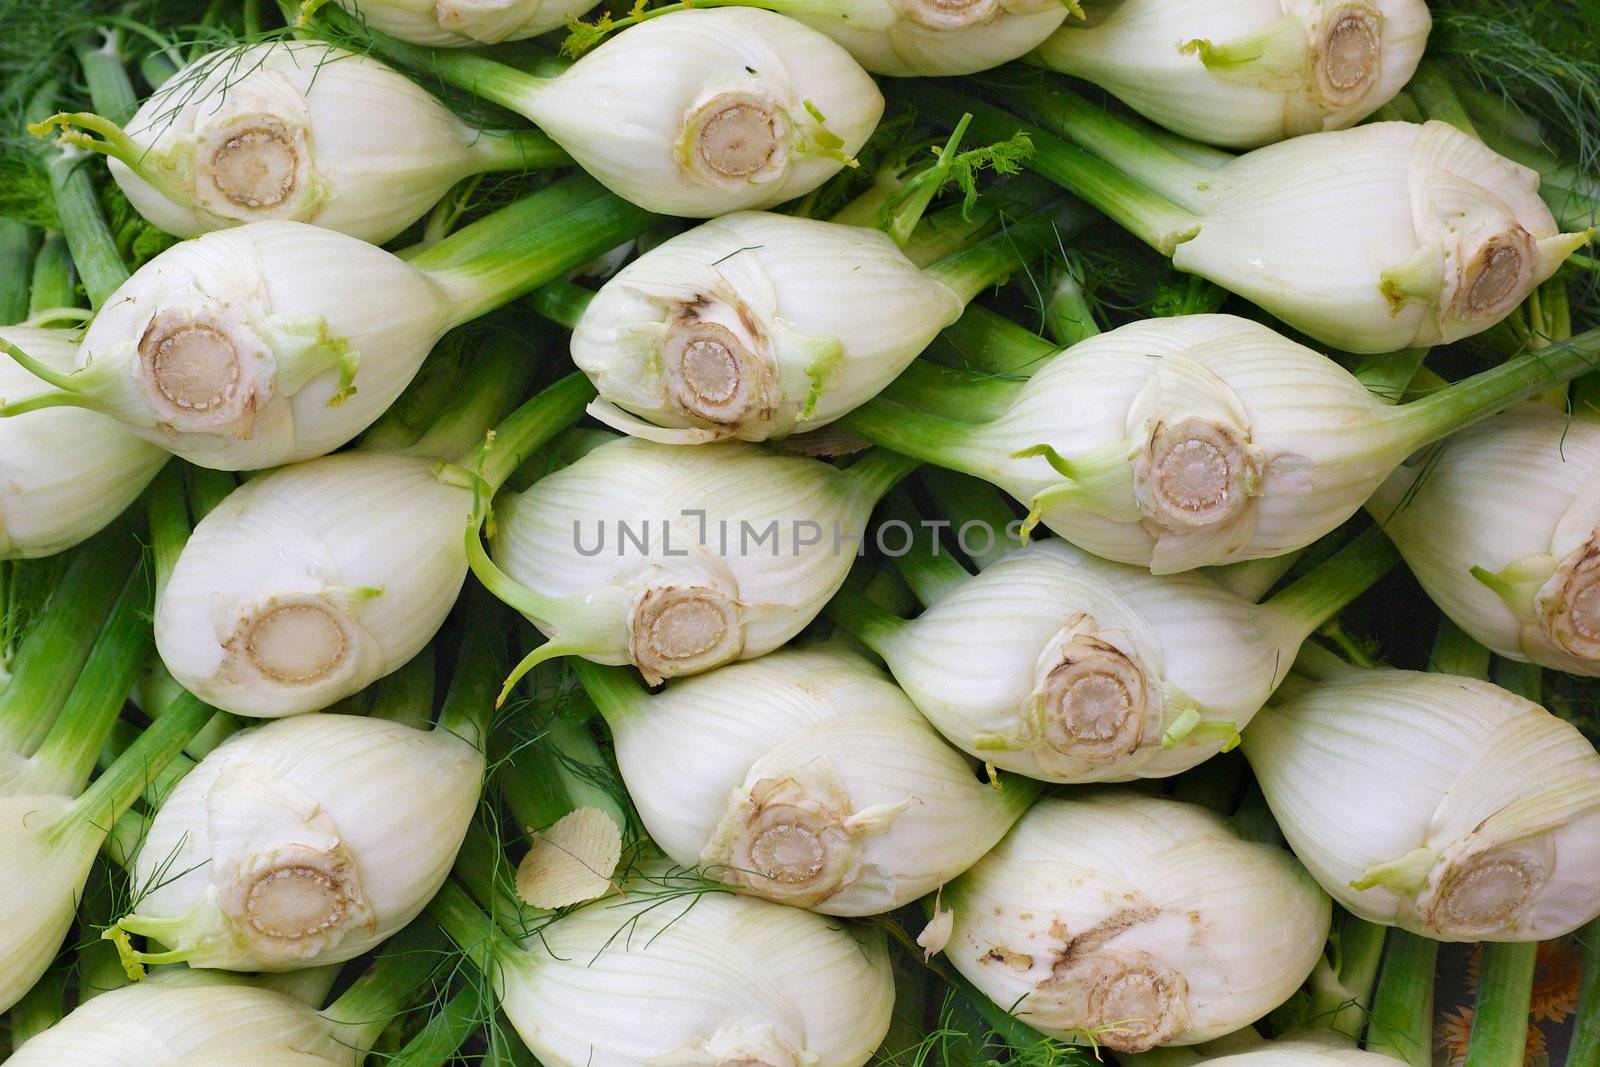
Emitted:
<point x="1402" y="1006"/>
<point x="55" y="282"/>
<point x="362" y="1012"/>
<point x="1456" y="653"/>
<point x="1327" y="590"/>
<point x="17" y="246"/>
<point x="1341" y="995"/>
<point x="1585" y="1048"/>
<point x="927" y="565"/>
<point x="40" y="1007"/>
<point x="436" y="1044"/>
<point x="1500" y="1019"/>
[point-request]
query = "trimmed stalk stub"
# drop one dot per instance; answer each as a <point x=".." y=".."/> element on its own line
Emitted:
<point x="1196" y="473"/>
<point x="1130" y="1002"/>
<point x="205" y="370"/>
<point x="1348" y="53"/>
<point x="1095" y="702"/>
<point x="731" y="137"/>
<point x="293" y="640"/>
<point x="683" y="629"/>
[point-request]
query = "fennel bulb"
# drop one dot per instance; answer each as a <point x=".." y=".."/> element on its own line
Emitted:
<point x="1247" y="72"/>
<point x="1390" y="235"/>
<point x="312" y="581"/>
<point x="1501" y="526"/>
<point x="299" y="131"/>
<point x="1064" y="667"/>
<point x="1315" y="1050"/>
<point x="465" y="23"/>
<point x="1134" y="922"/>
<point x="758" y="325"/>
<point x="275" y="342"/>
<point x="64" y="474"/>
<point x="805" y="777"/>
<point x="303" y="842"/>
<point x="189" y="1017"/>
<point x="932" y="38"/>
<point x="678" y="560"/>
<point x="705" y="978"/>
<point x="1444" y="805"/>
<point x="1201" y="440"/>
<point x="696" y="113"/>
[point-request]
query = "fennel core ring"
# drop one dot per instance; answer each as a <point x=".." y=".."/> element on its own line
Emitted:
<point x="680" y="629"/>
<point x="296" y="901"/>
<point x="293" y="642"/>
<point x="711" y="375"/>
<point x="1349" y="56"/>
<point x="194" y="374"/>
<point x="1093" y="701"/>
<point x="1197" y="473"/>
<point x="256" y="167"/>
<point x="737" y="137"/>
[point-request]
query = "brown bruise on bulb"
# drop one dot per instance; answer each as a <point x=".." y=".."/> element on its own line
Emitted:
<point x="1196" y="473"/>
<point x="1487" y="894"/>
<point x="952" y="14"/>
<point x="255" y="167"/>
<point x="683" y="629"/>
<point x="1568" y="606"/>
<point x="1348" y="54"/>
<point x="1094" y="700"/>
<point x="735" y="138"/>
<point x="298" y="902"/>
<point x="292" y="641"/>
<point x="1496" y="277"/>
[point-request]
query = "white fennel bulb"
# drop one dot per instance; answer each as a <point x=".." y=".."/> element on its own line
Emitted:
<point x="678" y="560"/>
<point x="1441" y="804"/>
<point x="1133" y="922"/>
<point x="1247" y="72"/>
<point x="1437" y="237"/>
<point x="707" y="979"/>
<point x="182" y="1017"/>
<point x="274" y="342"/>
<point x="465" y="23"/>
<point x="310" y="582"/>
<point x="1200" y="440"/>
<point x="303" y="842"/>
<point x="45" y="856"/>
<point x="1058" y="665"/>
<point x="806" y="777"/>
<point x="1501" y="526"/>
<point x="696" y="113"/>
<point x="756" y="325"/>
<point x="64" y="473"/>
<point x="1318" y="1050"/>
<point x="299" y="131"/>
<point x="1386" y="236"/>
<point x="932" y="38"/>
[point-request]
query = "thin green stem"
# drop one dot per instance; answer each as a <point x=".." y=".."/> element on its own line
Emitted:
<point x="576" y="761"/>
<point x="1401" y="1023"/>
<point x="53" y="650"/>
<point x="94" y="250"/>
<point x="1500" y="1017"/>
<point x="1388" y="376"/>
<point x="114" y="792"/>
<point x="1585" y="1047"/>
<point x="406" y="696"/>
<point x="953" y="394"/>
<point x="469" y="705"/>
<point x="1432" y="92"/>
<point x="930" y="571"/>
<point x="539" y="255"/>
<point x="1343" y="1000"/>
<point x="437" y="1043"/>
<point x="1068" y="311"/>
<point x="55" y="283"/>
<point x="168" y="511"/>
<point x="459" y="396"/>
<point x="1120" y="142"/>
<point x="879" y="471"/>
<point x="1523" y="679"/>
<point x="617" y="692"/>
<point x="562" y="302"/>
<point x="1456" y="653"/>
<point x="1152" y="218"/>
<point x="872" y="625"/>
<point x="530" y="427"/>
<point x="66" y="758"/>
<point x="965" y="500"/>
<point x="985" y="342"/>
<point x="995" y="258"/>
<point x="110" y="89"/>
<point x="482" y="77"/>
<point x="1461" y="403"/>
<point x="207" y="489"/>
<point x="929" y="438"/>
<point x="510" y="222"/>
<point x="474" y="933"/>
<point x="17" y="246"/>
<point x="1319" y="596"/>
<point x="362" y="1012"/>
